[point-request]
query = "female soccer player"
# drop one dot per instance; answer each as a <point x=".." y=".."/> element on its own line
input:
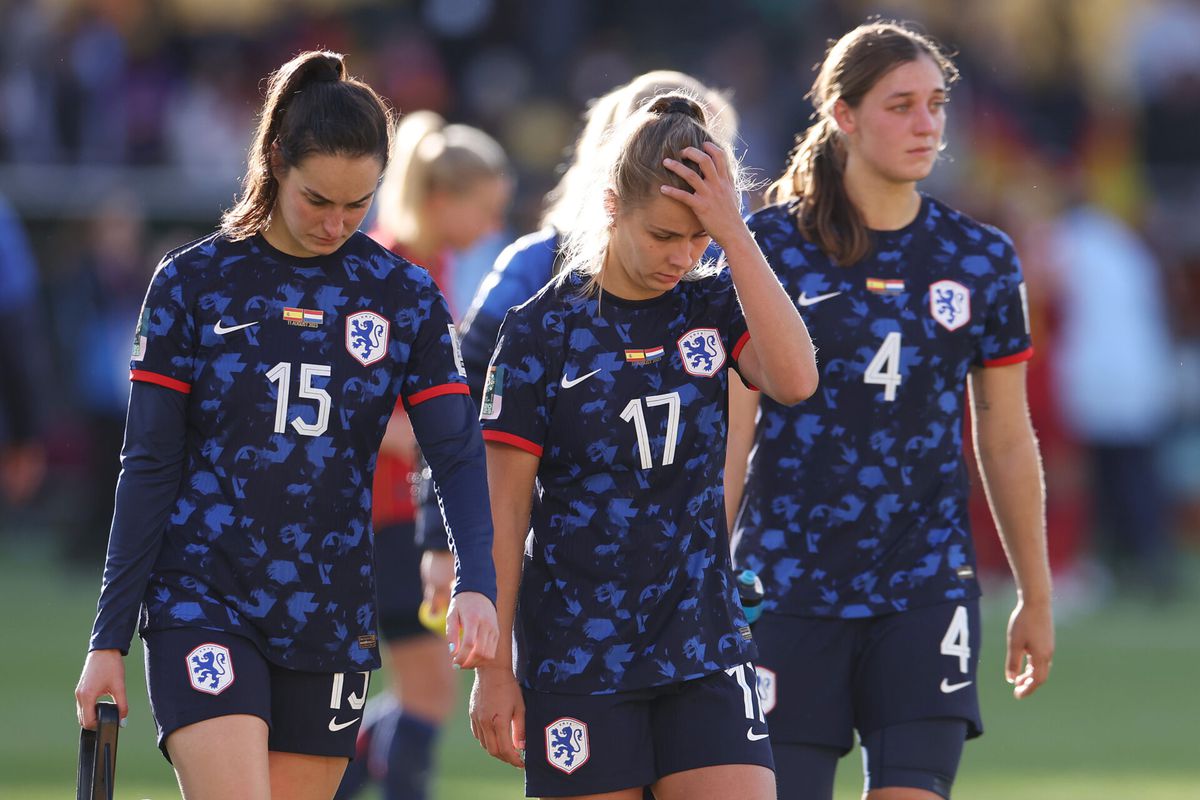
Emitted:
<point x="855" y="507"/>
<point x="266" y="364"/>
<point x="445" y="187"/>
<point x="608" y="390"/>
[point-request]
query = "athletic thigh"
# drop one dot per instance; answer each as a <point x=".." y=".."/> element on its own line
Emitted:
<point x="578" y="745"/>
<point x="919" y="664"/>
<point x="317" y="713"/>
<point x="725" y="707"/>
<point x="194" y="675"/>
<point x="923" y="754"/>
<point x="804" y="670"/>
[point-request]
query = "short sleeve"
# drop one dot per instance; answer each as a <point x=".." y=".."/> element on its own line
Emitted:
<point x="165" y="338"/>
<point x="434" y="365"/>
<point x="736" y="332"/>
<point x="1006" y="339"/>
<point x="515" y="406"/>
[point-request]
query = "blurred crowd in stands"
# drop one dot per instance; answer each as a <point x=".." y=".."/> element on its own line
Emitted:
<point x="123" y="125"/>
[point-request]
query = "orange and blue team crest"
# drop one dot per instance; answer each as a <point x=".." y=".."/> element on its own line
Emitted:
<point x="644" y="356"/>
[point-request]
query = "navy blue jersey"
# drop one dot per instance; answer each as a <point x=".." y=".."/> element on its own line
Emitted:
<point x="292" y="368"/>
<point x="856" y="500"/>
<point x="627" y="580"/>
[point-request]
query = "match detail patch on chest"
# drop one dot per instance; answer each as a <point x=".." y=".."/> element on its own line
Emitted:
<point x="702" y="352"/>
<point x="366" y="337"/>
<point x="950" y="304"/>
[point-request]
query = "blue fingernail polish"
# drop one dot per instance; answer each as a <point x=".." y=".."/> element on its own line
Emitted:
<point x="453" y="646"/>
<point x="456" y="666"/>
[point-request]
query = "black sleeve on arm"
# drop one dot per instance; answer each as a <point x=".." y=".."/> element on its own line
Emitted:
<point x="451" y="442"/>
<point x="151" y="469"/>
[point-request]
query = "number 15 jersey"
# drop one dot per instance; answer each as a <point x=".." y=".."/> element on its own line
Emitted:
<point x="856" y="500"/>
<point x="292" y="368"/>
<point x="626" y="581"/>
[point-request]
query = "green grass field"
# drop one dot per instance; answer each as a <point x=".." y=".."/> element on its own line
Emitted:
<point x="1116" y="722"/>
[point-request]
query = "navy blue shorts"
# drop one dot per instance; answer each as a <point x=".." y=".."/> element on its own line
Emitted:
<point x="398" y="582"/>
<point x="194" y="674"/>
<point x="589" y="744"/>
<point x="822" y="679"/>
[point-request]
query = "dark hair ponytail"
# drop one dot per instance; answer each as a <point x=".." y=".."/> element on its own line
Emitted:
<point x="311" y="106"/>
<point x="815" y="173"/>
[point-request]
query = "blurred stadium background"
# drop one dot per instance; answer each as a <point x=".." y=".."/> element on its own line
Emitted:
<point x="123" y="128"/>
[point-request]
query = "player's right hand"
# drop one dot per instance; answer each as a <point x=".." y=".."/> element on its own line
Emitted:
<point x="103" y="674"/>
<point x="498" y="714"/>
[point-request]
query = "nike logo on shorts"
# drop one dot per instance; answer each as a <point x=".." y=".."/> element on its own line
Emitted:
<point x="804" y="300"/>
<point x="950" y="688"/>
<point x="755" y="737"/>
<point x="567" y="383"/>
<point x="335" y="726"/>
<point x="220" y="330"/>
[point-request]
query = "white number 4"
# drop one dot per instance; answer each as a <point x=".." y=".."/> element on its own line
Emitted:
<point x="957" y="641"/>
<point x="884" y="368"/>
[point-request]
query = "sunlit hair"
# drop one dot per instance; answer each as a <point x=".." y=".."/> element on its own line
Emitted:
<point x="630" y="168"/>
<point x="430" y="156"/>
<point x="311" y="106"/>
<point x="815" y="172"/>
<point x="565" y="201"/>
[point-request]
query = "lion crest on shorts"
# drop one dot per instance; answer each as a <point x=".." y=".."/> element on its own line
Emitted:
<point x="210" y="668"/>
<point x="567" y="744"/>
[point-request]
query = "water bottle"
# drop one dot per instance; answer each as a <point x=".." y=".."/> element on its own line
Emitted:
<point x="750" y="594"/>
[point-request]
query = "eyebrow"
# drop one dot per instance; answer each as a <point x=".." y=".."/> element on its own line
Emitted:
<point x="319" y="196"/>
<point x="897" y="95"/>
<point x="668" y="232"/>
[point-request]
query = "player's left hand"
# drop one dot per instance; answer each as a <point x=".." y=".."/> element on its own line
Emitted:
<point x="715" y="198"/>
<point x="1030" y="643"/>
<point x="472" y="630"/>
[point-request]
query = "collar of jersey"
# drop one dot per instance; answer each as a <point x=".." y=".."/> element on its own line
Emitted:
<point x="912" y="227"/>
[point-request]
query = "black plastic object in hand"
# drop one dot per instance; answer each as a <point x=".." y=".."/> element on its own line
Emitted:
<point x="98" y="755"/>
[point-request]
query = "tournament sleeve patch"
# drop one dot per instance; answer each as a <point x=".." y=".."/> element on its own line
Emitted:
<point x="493" y="393"/>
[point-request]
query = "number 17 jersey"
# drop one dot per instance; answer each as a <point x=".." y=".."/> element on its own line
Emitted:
<point x="856" y="500"/>
<point x="626" y="581"/>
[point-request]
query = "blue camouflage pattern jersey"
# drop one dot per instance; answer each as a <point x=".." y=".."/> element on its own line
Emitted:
<point x="626" y="580"/>
<point x="856" y="500"/>
<point x="292" y="367"/>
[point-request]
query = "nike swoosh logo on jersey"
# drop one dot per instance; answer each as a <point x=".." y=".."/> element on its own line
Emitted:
<point x="567" y="383"/>
<point x="755" y="737"/>
<point x="336" y="726"/>
<point x="949" y="688"/>
<point x="804" y="300"/>
<point x="220" y="330"/>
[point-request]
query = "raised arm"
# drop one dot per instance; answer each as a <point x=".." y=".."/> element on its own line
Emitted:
<point x="779" y="358"/>
<point x="1010" y="464"/>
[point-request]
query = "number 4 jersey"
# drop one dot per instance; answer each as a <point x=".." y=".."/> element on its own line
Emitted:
<point x="626" y="580"/>
<point x="856" y="500"/>
<point x="292" y="368"/>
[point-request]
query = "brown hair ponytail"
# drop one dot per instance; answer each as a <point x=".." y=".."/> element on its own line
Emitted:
<point x="814" y="175"/>
<point x="311" y="106"/>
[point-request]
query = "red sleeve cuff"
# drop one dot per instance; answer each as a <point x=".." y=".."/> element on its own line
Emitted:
<point x="1015" y="358"/>
<point x="161" y="380"/>
<point x="741" y="343"/>
<point x="514" y="440"/>
<point x="436" y="391"/>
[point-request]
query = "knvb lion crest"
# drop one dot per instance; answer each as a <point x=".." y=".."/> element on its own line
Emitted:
<point x="702" y="352"/>
<point x="210" y="668"/>
<point x="366" y="337"/>
<point x="766" y="689"/>
<point x="567" y="744"/>
<point x="950" y="304"/>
